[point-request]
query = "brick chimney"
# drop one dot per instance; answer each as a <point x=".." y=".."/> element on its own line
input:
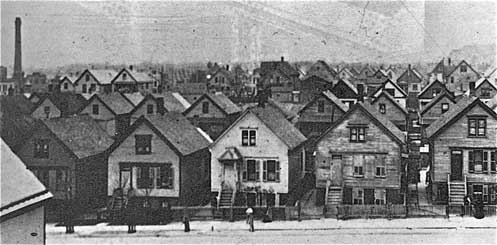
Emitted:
<point x="282" y="58"/>
<point x="471" y="88"/>
<point x="131" y="67"/>
<point x="18" y="74"/>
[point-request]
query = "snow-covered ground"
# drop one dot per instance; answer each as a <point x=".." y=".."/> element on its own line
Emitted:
<point x="413" y="230"/>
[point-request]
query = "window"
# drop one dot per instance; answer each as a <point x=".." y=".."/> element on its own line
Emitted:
<point x="380" y="196"/>
<point x="87" y="77"/>
<point x="451" y="79"/>
<point x="41" y="148"/>
<point x="383" y="108"/>
<point x="271" y="171"/>
<point x="477" y="127"/>
<point x="486" y="92"/>
<point x="83" y="88"/>
<point x="357" y="134"/>
<point x="320" y="106"/>
<point x="124" y="76"/>
<point x="60" y="179"/>
<point x="46" y="109"/>
<point x="205" y="107"/>
<point x="143" y="144"/>
<point x="164" y="177"/>
<point x="415" y="87"/>
<point x="445" y="107"/>
<point x="251" y="170"/>
<point x="380" y="168"/>
<point x="144" y="177"/>
<point x="93" y="87"/>
<point x="390" y="91"/>
<point x="493" y="158"/>
<point x="436" y="91"/>
<point x="248" y="137"/>
<point x="66" y="86"/>
<point x="150" y="109"/>
<point x="358" y="195"/>
<point x="95" y="109"/>
<point x="463" y="68"/>
<point x="358" y="166"/>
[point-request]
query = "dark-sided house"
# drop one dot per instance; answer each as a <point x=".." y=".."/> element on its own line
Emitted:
<point x="311" y="86"/>
<point x="129" y="80"/>
<point x="164" y="158"/>
<point x="110" y="111"/>
<point x="23" y="200"/>
<point x="431" y="91"/>
<point x="323" y="70"/>
<point x="318" y="115"/>
<point x="359" y="159"/>
<point x="212" y="113"/>
<point x="376" y="80"/>
<point x="410" y="81"/>
<point x="58" y="105"/>
<point x="436" y="108"/>
<point x="484" y="89"/>
<point x="386" y="105"/>
<point x="257" y="160"/>
<point x="15" y="119"/>
<point x="221" y="80"/>
<point x="464" y="153"/>
<point x="346" y="92"/>
<point x="280" y="77"/>
<point x="68" y="156"/>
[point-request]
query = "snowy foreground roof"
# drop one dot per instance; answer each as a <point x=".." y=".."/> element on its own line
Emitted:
<point x="19" y="187"/>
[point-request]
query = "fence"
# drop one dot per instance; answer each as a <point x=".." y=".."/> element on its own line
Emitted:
<point x="365" y="211"/>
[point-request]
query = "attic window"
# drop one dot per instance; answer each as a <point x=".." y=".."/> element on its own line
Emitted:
<point x="445" y="107"/>
<point x="463" y="68"/>
<point x="205" y="107"/>
<point x="124" y="76"/>
<point x="357" y="134"/>
<point x="87" y="77"/>
<point x="383" y="108"/>
<point x="477" y="127"/>
<point x="143" y="144"/>
<point x="320" y="106"/>
<point x="95" y="109"/>
<point x="41" y="148"/>
<point x="150" y="109"/>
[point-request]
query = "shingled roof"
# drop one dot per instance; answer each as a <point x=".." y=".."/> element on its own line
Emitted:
<point x="80" y="134"/>
<point x="135" y="98"/>
<point x="67" y="103"/>
<point x="103" y="76"/>
<point x="455" y="111"/>
<point x="116" y="102"/>
<point x="329" y="96"/>
<point x="20" y="188"/>
<point x="283" y="66"/>
<point x="218" y="99"/>
<point x="173" y="102"/>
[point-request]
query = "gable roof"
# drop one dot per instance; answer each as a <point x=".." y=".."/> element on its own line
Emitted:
<point x="135" y="98"/>
<point x="172" y="102"/>
<point x="382" y="87"/>
<point x="409" y="73"/>
<point x="80" y="134"/>
<point x="435" y="100"/>
<point x="67" y="103"/>
<point x="391" y="99"/>
<point x="275" y="120"/>
<point x="348" y="84"/>
<point x="103" y="76"/>
<point x="455" y="112"/>
<point x="219" y="100"/>
<point x="492" y="103"/>
<point x="378" y="119"/>
<point x="460" y="63"/>
<point x="482" y="81"/>
<point x="138" y="77"/>
<point x="445" y="68"/>
<point x="430" y="85"/>
<point x="283" y="66"/>
<point x="69" y="77"/>
<point x="330" y="97"/>
<point x="115" y="102"/>
<point x="20" y="187"/>
<point x="328" y="68"/>
<point x="175" y="130"/>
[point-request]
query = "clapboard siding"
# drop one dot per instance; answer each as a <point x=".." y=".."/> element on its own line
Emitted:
<point x="436" y="110"/>
<point x="331" y="112"/>
<point x="392" y="112"/>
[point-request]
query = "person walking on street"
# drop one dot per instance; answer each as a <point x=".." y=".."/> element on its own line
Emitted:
<point x="250" y="218"/>
<point x="69" y="214"/>
<point x="186" y="220"/>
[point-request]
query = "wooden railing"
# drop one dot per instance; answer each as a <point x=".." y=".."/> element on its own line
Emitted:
<point x="465" y="185"/>
<point x="448" y="188"/>
<point x="328" y="183"/>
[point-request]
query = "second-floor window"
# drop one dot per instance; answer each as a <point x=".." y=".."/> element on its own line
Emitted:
<point x="205" y="107"/>
<point x="383" y="108"/>
<point x="248" y="137"/>
<point x="381" y="169"/>
<point x="445" y="107"/>
<point x="143" y="144"/>
<point x="320" y="106"/>
<point x="95" y="109"/>
<point x="41" y="148"/>
<point x="83" y="88"/>
<point x="357" y="134"/>
<point x="464" y="68"/>
<point x="150" y="109"/>
<point x="358" y="166"/>
<point x="46" y="109"/>
<point x="477" y="127"/>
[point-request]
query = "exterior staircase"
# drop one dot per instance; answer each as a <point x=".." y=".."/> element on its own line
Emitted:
<point x="457" y="191"/>
<point x="226" y="198"/>
<point x="334" y="195"/>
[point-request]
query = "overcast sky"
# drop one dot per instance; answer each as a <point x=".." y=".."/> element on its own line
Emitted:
<point x="59" y="33"/>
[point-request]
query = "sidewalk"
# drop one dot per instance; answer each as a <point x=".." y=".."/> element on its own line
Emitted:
<point x="322" y="224"/>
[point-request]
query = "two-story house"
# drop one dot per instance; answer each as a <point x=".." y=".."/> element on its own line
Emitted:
<point x="388" y="106"/>
<point x="460" y="77"/>
<point x="58" y="105"/>
<point x="317" y="115"/>
<point x="257" y="160"/>
<point x="346" y="92"/>
<point x="323" y="70"/>
<point x="431" y="91"/>
<point x="280" y="77"/>
<point x="111" y="111"/>
<point x="359" y="159"/>
<point x="68" y="157"/>
<point x="221" y="80"/>
<point x="484" y="89"/>
<point x="311" y="86"/>
<point x="94" y="81"/>
<point x="393" y="89"/>
<point x="410" y="81"/>
<point x="129" y="81"/>
<point x="67" y="83"/>
<point x="212" y="113"/>
<point x="464" y="153"/>
<point x="164" y="158"/>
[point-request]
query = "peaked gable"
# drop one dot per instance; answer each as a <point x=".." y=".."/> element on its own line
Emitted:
<point x="387" y="96"/>
<point x="221" y="102"/>
<point x="426" y="89"/>
<point x="435" y="101"/>
<point x="344" y="89"/>
<point x="463" y="62"/>
<point x="329" y="96"/>
<point x="396" y="87"/>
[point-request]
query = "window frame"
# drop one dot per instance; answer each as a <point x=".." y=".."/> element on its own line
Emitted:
<point x="445" y="110"/>
<point x="147" y="140"/>
<point x="205" y="107"/>
<point x="355" y="134"/>
<point x="357" y="196"/>
<point x="41" y="148"/>
<point x="380" y="199"/>
<point x="477" y="127"/>
<point x="95" y="109"/>
<point x="382" y="108"/>
<point x="320" y="105"/>
<point x="251" y="176"/>
<point x="249" y="137"/>
<point x="266" y="173"/>
<point x="358" y="166"/>
<point x="150" y="109"/>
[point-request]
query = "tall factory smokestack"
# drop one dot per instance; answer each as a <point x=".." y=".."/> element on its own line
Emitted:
<point x="18" y="74"/>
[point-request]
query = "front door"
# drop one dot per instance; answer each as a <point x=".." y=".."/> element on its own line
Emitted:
<point x="230" y="175"/>
<point x="336" y="170"/>
<point x="456" y="165"/>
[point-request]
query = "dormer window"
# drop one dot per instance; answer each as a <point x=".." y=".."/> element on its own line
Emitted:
<point x="477" y="127"/>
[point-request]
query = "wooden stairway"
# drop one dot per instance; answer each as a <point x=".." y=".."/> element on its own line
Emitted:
<point x="457" y="191"/>
<point x="226" y="197"/>
<point x="334" y="196"/>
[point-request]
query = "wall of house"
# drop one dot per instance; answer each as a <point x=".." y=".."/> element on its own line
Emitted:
<point x="488" y="87"/>
<point x="456" y="136"/>
<point x="103" y="112"/>
<point x="268" y="145"/>
<point x="70" y="86"/>
<point x="436" y="110"/>
<point x="26" y="228"/>
<point x="58" y="157"/>
<point x="142" y="110"/>
<point x="331" y="112"/>
<point x="195" y="178"/>
<point x="377" y="143"/>
<point x="78" y="88"/>
<point x="39" y="112"/>
<point x="214" y="111"/>
<point x="428" y="93"/>
<point x="126" y="153"/>
<point x="461" y="80"/>
<point x="392" y="112"/>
